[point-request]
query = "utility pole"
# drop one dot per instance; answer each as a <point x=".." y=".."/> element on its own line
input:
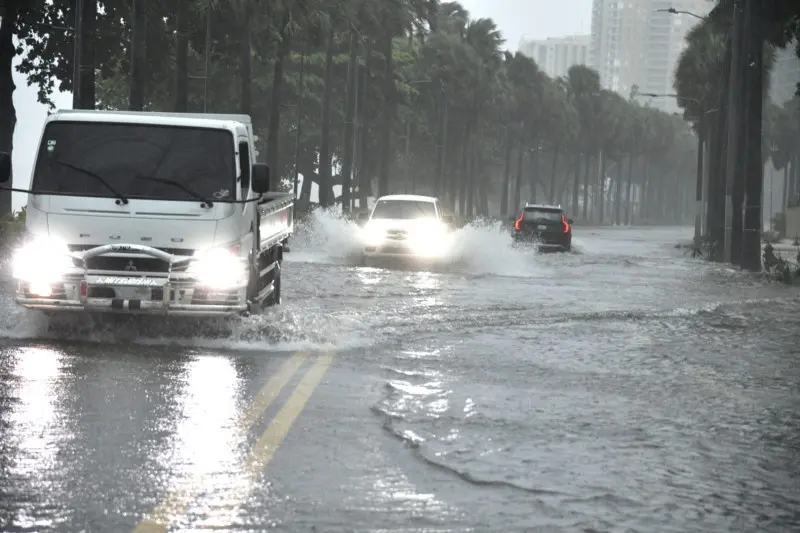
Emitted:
<point x="735" y="105"/>
<point x="76" y="57"/>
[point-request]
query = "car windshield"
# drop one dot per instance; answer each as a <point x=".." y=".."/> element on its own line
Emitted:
<point x="544" y="214"/>
<point x="403" y="209"/>
<point x="127" y="157"/>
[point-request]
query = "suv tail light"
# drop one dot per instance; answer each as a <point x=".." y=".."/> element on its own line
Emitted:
<point x="565" y="223"/>
<point x="518" y="222"/>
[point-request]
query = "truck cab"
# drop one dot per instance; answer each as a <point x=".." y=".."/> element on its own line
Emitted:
<point x="146" y="212"/>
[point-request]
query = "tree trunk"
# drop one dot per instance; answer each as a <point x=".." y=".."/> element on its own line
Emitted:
<point x="138" y="43"/>
<point x="618" y="191"/>
<point x="245" y="66"/>
<point x="602" y="185"/>
<point x="785" y="202"/>
<point x="349" y="123"/>
<point x="534" y="169"/>
<point x="576" y="185"/>
<point x="364" y="176"/>
<point x="470" y="179"/>
<point x="88" y="98"/>
<point x="644" y="205"/>
<point x="506" y="176"/>
<point x="464" y="172"/>
<point x="752" y="130"/>
<point x="629" y="191"/>
<point x="273" y="133"/>
<point x="518" y="183"/>
<point x="182" y="58"/>
<point x="556" y="151"/>
<point x="8" y="115"/>
<point x="586" y="181"/>
<point x="324" y="185"/>
<point x="388" y="116"/>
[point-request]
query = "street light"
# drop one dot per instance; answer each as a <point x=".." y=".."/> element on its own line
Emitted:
<point x="673" y="11"/>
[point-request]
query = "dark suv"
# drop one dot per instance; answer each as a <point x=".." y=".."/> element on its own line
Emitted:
<point x="545" y="225"/>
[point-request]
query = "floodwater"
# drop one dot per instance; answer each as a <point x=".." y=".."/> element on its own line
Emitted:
<point x="621" y="387"/>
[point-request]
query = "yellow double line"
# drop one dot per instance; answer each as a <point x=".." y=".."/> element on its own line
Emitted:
<point x="178" y="501"/>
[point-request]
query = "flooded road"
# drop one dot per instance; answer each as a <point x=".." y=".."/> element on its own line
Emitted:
<point x="623" y="387"/>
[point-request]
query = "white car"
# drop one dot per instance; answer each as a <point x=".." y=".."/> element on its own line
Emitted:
<point x="405" y="226"/>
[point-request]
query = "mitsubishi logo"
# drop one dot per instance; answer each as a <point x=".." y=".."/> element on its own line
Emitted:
<point x="130" y="267"/>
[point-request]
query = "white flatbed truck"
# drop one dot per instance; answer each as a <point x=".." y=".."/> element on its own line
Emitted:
<point x="150" y="213"/>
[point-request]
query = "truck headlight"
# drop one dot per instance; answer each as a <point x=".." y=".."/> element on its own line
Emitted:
<point x="41" y="262"/>
<point x="219" y="269"/>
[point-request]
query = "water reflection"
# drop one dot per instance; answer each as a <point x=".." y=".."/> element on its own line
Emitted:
<point x="32" y="434"/>
<point x="206" y="447"/>
<point x="423" y="281"/>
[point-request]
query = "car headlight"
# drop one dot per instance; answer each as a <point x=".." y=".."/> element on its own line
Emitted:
<point x="219" y="269"/>
<point x="41" y="261"/>
<point x="429" y="240"/>
<point x="373" y="235"/>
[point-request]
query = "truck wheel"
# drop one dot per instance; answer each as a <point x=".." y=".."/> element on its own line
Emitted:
<point x="275" y="297"/>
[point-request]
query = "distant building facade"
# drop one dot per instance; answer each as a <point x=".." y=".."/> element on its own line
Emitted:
<point x="556" y="55"/>
<point x="636" y="43"/>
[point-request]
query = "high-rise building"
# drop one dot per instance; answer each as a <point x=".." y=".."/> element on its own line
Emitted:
<point x="637" y="43"/>
<point x="556" y="55"/>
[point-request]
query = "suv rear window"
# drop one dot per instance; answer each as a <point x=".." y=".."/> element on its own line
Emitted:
<point x="542" y="213"/>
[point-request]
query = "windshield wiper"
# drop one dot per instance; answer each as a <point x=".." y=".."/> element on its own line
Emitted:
<point x="193" y="194"/>
<point x="91" y="174"/>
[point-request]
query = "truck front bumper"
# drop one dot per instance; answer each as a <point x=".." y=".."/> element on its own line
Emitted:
<point x="171" y="291"/>
<point x="175" y="299"/>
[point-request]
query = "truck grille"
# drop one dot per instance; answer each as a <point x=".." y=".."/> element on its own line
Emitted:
<point x="173" y="251"/>
<point x="127" y="264"/>
<point x="131" y="264"/>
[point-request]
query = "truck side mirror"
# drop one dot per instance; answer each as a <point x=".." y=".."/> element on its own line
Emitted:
<point x="363" y="216"/>
<point x="5" y="167"/>
<point x="260" y="178"/>
<point x="447" y="219"/>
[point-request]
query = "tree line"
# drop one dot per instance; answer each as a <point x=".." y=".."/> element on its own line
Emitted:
<point x="722" y="82"/>
<point x="378" y="97"/>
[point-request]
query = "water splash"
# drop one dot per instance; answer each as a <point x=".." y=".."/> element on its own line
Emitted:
<point x="285" y="328"/>
<point x="326" y="236"/>
<point x="486" y="247"/>
<point x="479" y="248"/>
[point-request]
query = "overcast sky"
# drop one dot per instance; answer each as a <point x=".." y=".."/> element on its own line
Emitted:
<point x="531" y="19"/>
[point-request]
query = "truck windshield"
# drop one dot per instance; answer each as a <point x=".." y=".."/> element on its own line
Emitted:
<point x="201" y="160"/>
<point x="403" y="209"/>
<point x="544" y="214"/>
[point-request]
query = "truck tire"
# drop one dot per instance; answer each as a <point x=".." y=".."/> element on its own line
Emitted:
<point x="275" y="296"/>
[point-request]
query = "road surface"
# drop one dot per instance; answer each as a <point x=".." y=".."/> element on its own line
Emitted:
<point x="624" y="387"/>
